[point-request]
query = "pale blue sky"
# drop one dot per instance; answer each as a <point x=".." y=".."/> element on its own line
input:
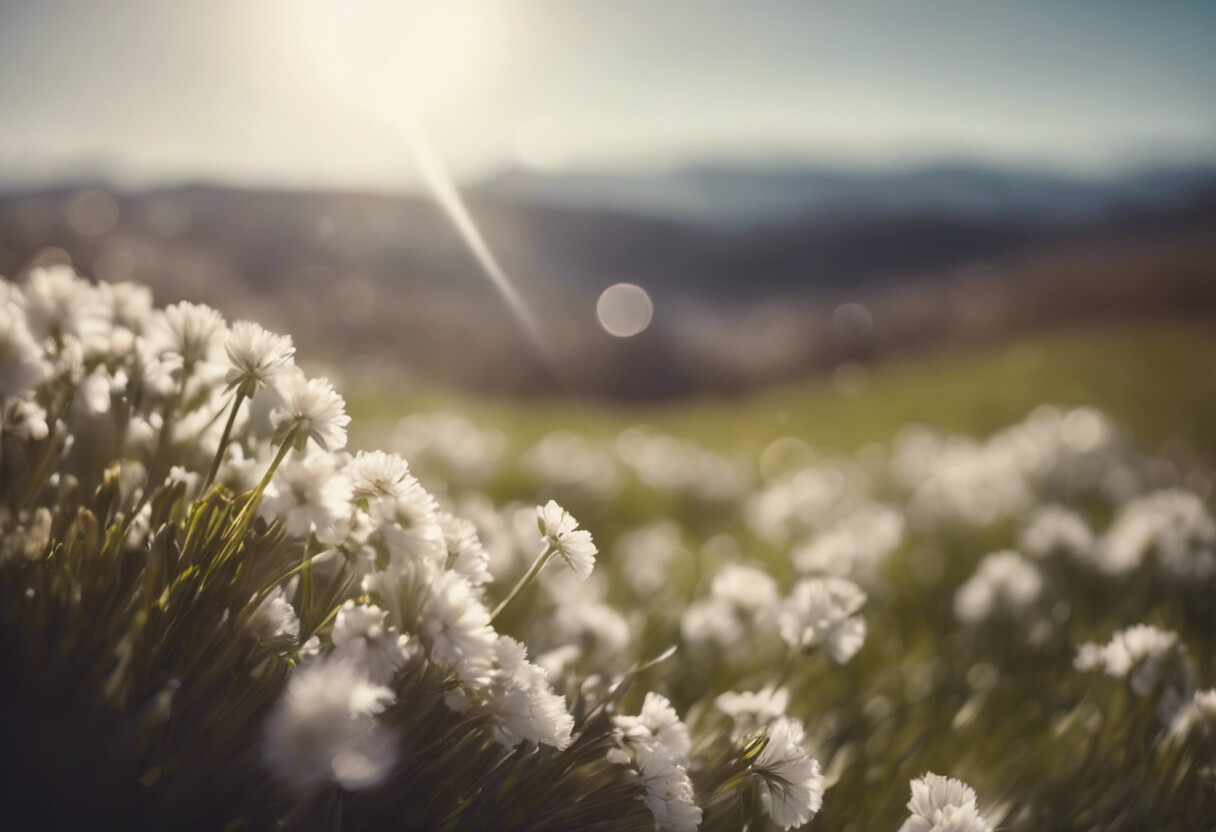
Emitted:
<point x="312" y="93"/>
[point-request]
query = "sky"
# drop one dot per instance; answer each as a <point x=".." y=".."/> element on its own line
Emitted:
<point x="321" y="93"/>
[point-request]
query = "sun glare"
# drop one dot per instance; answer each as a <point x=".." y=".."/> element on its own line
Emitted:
<point x="386" y="56"/>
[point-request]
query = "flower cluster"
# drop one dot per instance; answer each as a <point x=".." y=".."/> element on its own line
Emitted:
<point x="257" y="628"/>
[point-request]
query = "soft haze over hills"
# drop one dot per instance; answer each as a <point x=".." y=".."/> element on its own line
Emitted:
<point x="757" y="194"/>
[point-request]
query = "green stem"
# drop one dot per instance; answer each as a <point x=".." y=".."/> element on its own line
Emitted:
<point x="219" y="453"/>
<point x="528" y="577"/>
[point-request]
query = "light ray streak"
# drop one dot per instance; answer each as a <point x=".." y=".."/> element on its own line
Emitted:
<point x="444" y="189"/>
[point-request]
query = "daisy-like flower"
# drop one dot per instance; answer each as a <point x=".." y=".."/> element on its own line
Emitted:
<point x="943" y="804"/>
<point x="456" y="626"/>
<point x="311" y="409"/>
<point x="375" y="474"/>
<point x="1004" y="582"/>
<point x="22" y="367"/>
<point x="466" y="555"/>
<point x="325" y="730"/>
<point x="524" y="706"/>
<point x="61" y="305"/>
<point x="657" y="721"/>
<point x="191" y="330"/>
<point x="408" y="523"/>
<point x="361" y="636"/>
<point x="1137" y="654"/>
<point x="823" y="612"/>
<point x="275" y="617"/>
<point x="669" y="792"/>
<point x="311" y="496"/>
<point x="751" y="711"/>
<point x="257" y="357"/>
<point x="561" y="533"/>
<point x="790" y="781"/>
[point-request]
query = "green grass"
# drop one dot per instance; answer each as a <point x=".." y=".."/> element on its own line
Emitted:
<point x="1158" y="380"/>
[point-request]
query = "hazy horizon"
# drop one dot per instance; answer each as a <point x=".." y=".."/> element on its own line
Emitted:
<point x="313" y="95"/>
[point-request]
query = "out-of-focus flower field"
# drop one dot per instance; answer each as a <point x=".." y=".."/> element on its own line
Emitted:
<point x="967" y="594"/>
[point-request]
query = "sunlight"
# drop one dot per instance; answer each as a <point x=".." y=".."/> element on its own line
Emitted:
<point x="378" y="54"/>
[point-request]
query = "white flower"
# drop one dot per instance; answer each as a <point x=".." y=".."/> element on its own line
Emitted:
<point x="456" y="626"/>
<point x="361" y="636"/>
<point x="712" y="622"/>
<point x="855" y="545"/>
<point x="311" y="496"/>
<point x="943" y="804"/>
<point x="22" y="367"/>
<point x="561" y="532"/>
<point x="1175" y="525"/>
<point x="524" y="706"/>
<point x="375" y="474"/>
<point x="790" y="781"/>
<point x="24" y="420"/>
<point x="751" y="711"/>
<point x="191" y="330"/>
<point x="669" y="792"/>
<point x="1137" y="653"/>
<point x="311" y="409"/>
<point x="257" y="357"/>
<point x="592" y="624"/>
<point x="324" y="729"/>
<point x="127" y="305"/>
<point x="1004" y="582"/>
<point x="750" y="590"/>
<point x="822" y="612"/>
<point x="466" y="555"/>
<point x="658" y="721"/>
<point x="60" y="305"/>
<point x="275" y="617"/>
<point x="408" y="523"/>
<point x="1054" y="529"/>
<point x="1198" y="716"/>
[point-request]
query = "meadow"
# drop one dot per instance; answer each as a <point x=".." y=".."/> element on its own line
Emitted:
<point x="952" y="593"/>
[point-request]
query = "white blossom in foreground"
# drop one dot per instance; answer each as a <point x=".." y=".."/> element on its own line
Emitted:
<point x="524" y="706"/>
<point x="822" y="612"/>
<point x="790" y="781"/>
<point x="408" y="524"/>
<point x="561" y="532"/>
<point x="361" y="636"/>
<point x="669" y="792"/>
<point x="275" y="617"/>
<point x="1137" y="654"/>
<point x="22" y="367"/>
<point x="1004" y="583"/>
<point x="191" y="330"/>
<point x="257" y="356"/>
<point x="943" y="804"/>
<point x="466" y="555"/>
<point x="311" y="409"/>
<point x="456" y="626"/>
<point x="310" y="495"/>
<point x="375" y="474"/>
<point x="324" y="729"/>
<point x="657" y="720"/>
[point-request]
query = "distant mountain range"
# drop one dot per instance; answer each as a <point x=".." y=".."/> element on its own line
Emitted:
<point x="740" y="195"/>
<point x="745" y="283"/>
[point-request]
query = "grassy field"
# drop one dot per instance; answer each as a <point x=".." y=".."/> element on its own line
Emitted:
<point x="1158" y="380"/>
